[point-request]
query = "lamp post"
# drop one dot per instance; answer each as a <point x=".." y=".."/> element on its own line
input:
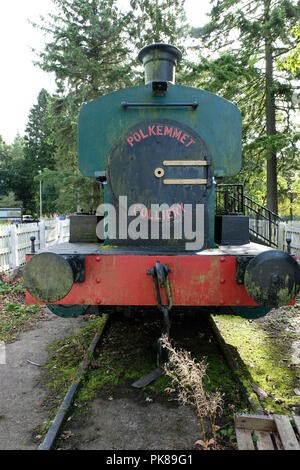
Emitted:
<point x="40" y="171"/>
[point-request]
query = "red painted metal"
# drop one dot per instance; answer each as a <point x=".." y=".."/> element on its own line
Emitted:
<point x="197" y="280"/>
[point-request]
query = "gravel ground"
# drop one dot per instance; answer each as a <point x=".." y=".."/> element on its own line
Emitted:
<point x="119" y="424"/>
<point x="21" y="394"/>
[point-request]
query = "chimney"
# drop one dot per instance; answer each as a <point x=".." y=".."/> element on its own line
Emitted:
<point x="159" y="61"/>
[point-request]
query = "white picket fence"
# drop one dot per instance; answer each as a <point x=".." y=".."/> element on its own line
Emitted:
<point x="15" y="240"/>
<point x="289" y="230"/>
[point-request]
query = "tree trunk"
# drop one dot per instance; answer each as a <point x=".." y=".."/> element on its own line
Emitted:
<point x="272" y="198"/>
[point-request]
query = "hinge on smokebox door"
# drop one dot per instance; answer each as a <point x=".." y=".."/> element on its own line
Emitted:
<point x="160" y="275"/>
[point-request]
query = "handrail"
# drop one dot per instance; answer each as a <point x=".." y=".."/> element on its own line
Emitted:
<point x="263" y="207"/>
<point x="236" y="202"/>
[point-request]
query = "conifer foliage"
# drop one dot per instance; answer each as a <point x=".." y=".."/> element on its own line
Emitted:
<point x="256" y="34"/>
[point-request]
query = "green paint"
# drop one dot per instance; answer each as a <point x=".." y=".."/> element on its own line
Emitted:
<point x="103" y="121"/>
<point x="250" y="313"/>
<point x="67" y="311"/>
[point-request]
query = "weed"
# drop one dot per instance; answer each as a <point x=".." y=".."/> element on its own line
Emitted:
<point x="15" y="316"/>
<point x="187" y="376"/>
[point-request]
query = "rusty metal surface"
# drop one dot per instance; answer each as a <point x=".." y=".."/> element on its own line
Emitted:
<point x="122" y="280"/>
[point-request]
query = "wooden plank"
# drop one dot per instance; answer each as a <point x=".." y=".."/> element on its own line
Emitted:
<point x="286" y="432"/>
<point x="264" y="441"/>
<point x="297" y="422"/>
<point x="257" y="422"/>
<point x="278" y="441"/>
<point x="244" y="439"/>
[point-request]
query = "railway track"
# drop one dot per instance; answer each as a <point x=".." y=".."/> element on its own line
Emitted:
<point x="203" y="336"/>
<point x="57" y="423"/>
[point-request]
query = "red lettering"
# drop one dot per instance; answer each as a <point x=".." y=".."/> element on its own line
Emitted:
<point x="190" y="142"/>
<point x="136" y="136"/>
<point x="150" y="130"/>
<point x="159" y="130"/>
<point x="130" y="140"/>
<point x="176" y="134"/>
<point x="143" y="136"/>
<point x="183" y="138"/>
<point x="168" y="131"/>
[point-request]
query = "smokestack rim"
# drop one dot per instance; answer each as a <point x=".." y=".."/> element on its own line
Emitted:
<point x="173" y="52"/>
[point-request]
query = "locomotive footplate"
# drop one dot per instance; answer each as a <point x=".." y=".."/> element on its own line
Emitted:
<point x="116" y="277"/>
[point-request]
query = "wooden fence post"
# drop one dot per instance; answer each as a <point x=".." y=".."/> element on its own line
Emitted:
<point x="42" y="234"/>
<point x="281" y="235"/>
<point x="14" y="246"/>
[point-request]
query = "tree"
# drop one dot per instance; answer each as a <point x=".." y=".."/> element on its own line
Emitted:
<point x="13" y="188"/>
<point x="255" y="33"/>
<point x="39" y="151"/>
<point x="91" y="51"/>
<point x="158" y="21"/>
<point x="88" y="54"/>
<point x="292" y="61"/>
<point x="89" y="58"/>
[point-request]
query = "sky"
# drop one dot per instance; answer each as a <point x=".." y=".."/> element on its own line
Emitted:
<point x="20" y="80"/>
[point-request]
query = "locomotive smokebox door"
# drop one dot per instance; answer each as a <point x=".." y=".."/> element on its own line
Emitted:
<point x="157" y="162"/>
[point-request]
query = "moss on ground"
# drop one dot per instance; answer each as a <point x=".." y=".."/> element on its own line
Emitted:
<point x="127" y="352"/>
<point x="15" y="315"/>
<point x="262" y="350"/>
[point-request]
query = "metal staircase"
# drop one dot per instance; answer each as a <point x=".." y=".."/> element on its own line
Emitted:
<point x="263" y="223"/>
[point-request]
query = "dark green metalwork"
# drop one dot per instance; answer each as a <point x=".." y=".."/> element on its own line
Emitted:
<point x="250" y="313"/>
<point x="68" y="311"/>
<point x="159" y="61"/>
<point x="215" y="120"/>
<point x="241" y="263"/>
<point x="272" y="278"/>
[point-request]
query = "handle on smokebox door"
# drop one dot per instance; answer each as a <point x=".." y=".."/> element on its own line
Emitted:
<point x="126" y="105"/>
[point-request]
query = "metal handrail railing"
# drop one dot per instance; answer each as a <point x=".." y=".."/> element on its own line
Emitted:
<point x="231" y="200"/>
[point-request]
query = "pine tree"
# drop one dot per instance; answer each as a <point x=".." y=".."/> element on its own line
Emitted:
<point x="39" y="150"/>
<point x="255" y="34"/>
<point x="157" y="21"/>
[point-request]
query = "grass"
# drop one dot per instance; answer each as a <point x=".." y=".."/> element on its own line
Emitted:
<point x="263" y="350"/>
<point x="15" y="315"/>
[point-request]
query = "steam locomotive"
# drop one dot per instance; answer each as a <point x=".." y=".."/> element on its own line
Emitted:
<point x="159" y="149"/>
